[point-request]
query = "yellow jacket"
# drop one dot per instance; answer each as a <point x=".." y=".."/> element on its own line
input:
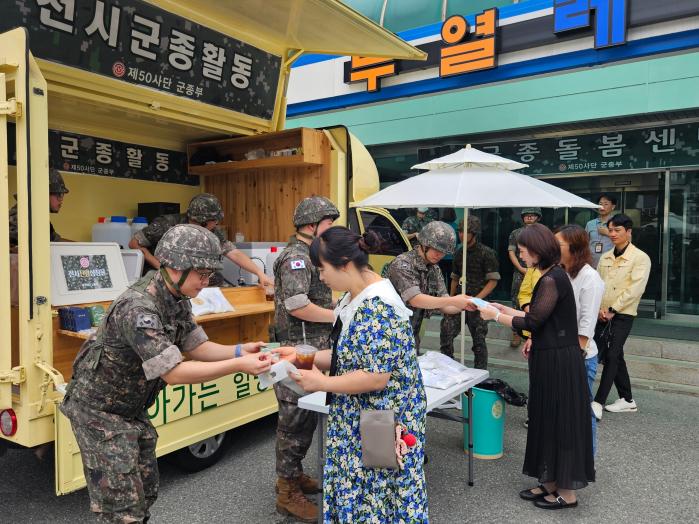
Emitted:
<point x="526" y="290"/>
<point x="625" y="278"/>
<point x="531" y="277"/>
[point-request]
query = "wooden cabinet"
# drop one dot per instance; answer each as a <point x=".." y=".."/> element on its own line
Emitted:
<point x="291" y="148"/>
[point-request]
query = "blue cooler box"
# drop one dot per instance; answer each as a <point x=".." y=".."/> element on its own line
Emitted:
<point x="488" y="423"/>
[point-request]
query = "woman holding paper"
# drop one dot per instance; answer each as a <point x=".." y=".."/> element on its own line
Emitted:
<point x="375" y="368"/>
<point x="559" y="436"/>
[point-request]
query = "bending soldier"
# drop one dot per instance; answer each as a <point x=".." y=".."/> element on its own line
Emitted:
<point x="418" y="280"/>
<point x="302" y="305"/>
<point x="203" y="210"/>
<point x="137" y="351"/>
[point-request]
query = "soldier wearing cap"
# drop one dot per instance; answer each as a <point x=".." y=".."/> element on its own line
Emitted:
<point x="417" y="278"/>
<point x="481" y="278"/>
<point x="302" y="314"/>
<point x="138" y="349"/>
<point x="414" y="224"/>
<point x="530" y="215"/>
<point x="203" y="210"/>
<point x="57" y="190"/>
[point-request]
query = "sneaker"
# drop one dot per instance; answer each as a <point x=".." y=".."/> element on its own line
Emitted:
<point x="597" y="410"/>
<point x="622" y="406"/>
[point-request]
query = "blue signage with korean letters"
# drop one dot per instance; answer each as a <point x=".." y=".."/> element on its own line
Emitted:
<point x="136" y="42"/>
<point x="609" y="19"/>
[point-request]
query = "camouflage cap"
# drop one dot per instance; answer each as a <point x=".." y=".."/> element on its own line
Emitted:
<point x="531" y="211"/>
<point x="188" y="246"/>
<point x="56" y="183"/>
<point x="312" y="210"/>
<point x="438" y="235"/>
<point x="474" y="225"/>
<point x="204" y="207"/>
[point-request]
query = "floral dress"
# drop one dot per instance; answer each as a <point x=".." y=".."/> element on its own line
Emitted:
<point x="376" y="341"/>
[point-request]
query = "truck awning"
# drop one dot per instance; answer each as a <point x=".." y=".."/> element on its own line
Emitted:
<point x="314" y="26"/>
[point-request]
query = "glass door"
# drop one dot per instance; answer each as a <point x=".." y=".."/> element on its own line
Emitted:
<point x="641" y="197"/>
<point x="683" y="244"/>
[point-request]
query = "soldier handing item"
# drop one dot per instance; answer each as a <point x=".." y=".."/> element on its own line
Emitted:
<point x="138" y="349"/>
<point x="302" y="314"/>
<point x="418" y="280"/>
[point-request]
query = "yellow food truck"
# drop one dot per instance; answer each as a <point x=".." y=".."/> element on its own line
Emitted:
<point x="142" y="101"/>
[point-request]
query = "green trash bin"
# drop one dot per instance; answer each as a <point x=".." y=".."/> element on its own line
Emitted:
<point x="488" y="423"/>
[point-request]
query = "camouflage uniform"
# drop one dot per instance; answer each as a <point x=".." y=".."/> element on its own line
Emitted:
<point x="56" y="187"/>
<point x="297" y="284"/>
<point x="481" y="266"/>
<point x="201" y="209"/>
<point x="116" y="377"/>
<point x="413" y="224"/>
<point x="411" y="275"/>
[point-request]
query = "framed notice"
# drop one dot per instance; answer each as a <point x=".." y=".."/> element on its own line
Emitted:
<point x="85" y="272"/>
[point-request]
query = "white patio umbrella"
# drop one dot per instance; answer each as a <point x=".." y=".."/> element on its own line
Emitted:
<point x="472" y="179"/>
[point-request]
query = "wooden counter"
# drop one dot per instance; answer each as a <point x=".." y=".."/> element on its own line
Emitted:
<point x="248" y="323"/>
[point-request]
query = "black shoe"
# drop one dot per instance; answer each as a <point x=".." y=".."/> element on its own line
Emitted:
<point x="527" y="494"/>
<point x="559" y="503"/>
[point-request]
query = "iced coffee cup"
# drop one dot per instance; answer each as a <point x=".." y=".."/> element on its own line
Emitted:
<point x="305" y="355"/>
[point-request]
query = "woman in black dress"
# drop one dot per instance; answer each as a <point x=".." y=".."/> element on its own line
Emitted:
<point x="559" y="437"/>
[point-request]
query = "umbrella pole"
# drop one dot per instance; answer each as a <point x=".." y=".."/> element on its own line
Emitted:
<point x="463" y="283"/>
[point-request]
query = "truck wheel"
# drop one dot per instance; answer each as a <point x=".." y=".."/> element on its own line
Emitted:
<point x="201" y="455"/>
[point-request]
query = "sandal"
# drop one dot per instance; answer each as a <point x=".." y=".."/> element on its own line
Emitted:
<point x="527" y="494"/>
<point x="559" y="503"/>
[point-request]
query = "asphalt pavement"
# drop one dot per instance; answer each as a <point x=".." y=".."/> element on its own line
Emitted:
<point x="647" y="471"/>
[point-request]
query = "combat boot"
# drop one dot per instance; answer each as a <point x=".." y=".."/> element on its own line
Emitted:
<point x="291" y="501"/>
<point x="309" y="485"/>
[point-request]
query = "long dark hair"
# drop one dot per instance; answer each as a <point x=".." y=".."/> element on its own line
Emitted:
<point x="539" y="240"/>
<point x="338" y="245"/>
<point x="579" y="247"/>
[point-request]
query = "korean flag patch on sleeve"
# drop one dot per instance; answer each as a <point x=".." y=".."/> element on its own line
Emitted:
<point x="298" y="264"/>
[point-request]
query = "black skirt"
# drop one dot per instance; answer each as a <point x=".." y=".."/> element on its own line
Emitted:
<point x="559" y="437"/>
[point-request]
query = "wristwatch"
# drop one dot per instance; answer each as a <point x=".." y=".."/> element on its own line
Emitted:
<point x="612" y="310"/>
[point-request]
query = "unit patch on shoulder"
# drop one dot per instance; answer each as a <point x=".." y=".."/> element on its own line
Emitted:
<point x="148" y="321"/>
<point x="298" y="264"/>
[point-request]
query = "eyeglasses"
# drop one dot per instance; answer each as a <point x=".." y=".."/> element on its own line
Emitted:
<point x="204" y="274"/>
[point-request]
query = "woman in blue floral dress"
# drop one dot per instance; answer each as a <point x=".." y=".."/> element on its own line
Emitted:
<point x="376" y="368"/>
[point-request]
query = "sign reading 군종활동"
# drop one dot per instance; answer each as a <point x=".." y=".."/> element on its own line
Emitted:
<point x="136" y="42"/>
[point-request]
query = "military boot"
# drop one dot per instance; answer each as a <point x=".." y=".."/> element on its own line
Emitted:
<point x="309" y="485"/>
<point x="291" y="501"/>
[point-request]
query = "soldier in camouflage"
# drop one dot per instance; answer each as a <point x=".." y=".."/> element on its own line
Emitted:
<point x="118" y="374"/>
<point x="57" y="190"/>
<point x="481" y="278"/>
<point x="301" y="302"/>
<point x="204" y="210"/>
<point x="418" y="280"/>
<point x="530" y="215"/>
<point x="414" y="224"/>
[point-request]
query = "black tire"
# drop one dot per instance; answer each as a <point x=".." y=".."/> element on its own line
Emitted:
<point x="201" y="455"/>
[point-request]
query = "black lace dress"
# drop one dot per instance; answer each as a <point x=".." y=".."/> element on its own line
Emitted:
<point x="559" y="438"/>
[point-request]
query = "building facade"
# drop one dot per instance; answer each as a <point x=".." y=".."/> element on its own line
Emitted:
<point x="597" y="97"/>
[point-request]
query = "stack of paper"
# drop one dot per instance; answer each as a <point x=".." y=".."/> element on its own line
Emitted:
<point x="441" y="372"/>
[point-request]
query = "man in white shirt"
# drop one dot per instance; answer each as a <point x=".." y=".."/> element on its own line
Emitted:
<point x="597" y="228"/>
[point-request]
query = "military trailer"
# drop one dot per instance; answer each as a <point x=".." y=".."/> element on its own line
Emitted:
<point x="159" y="100"/>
